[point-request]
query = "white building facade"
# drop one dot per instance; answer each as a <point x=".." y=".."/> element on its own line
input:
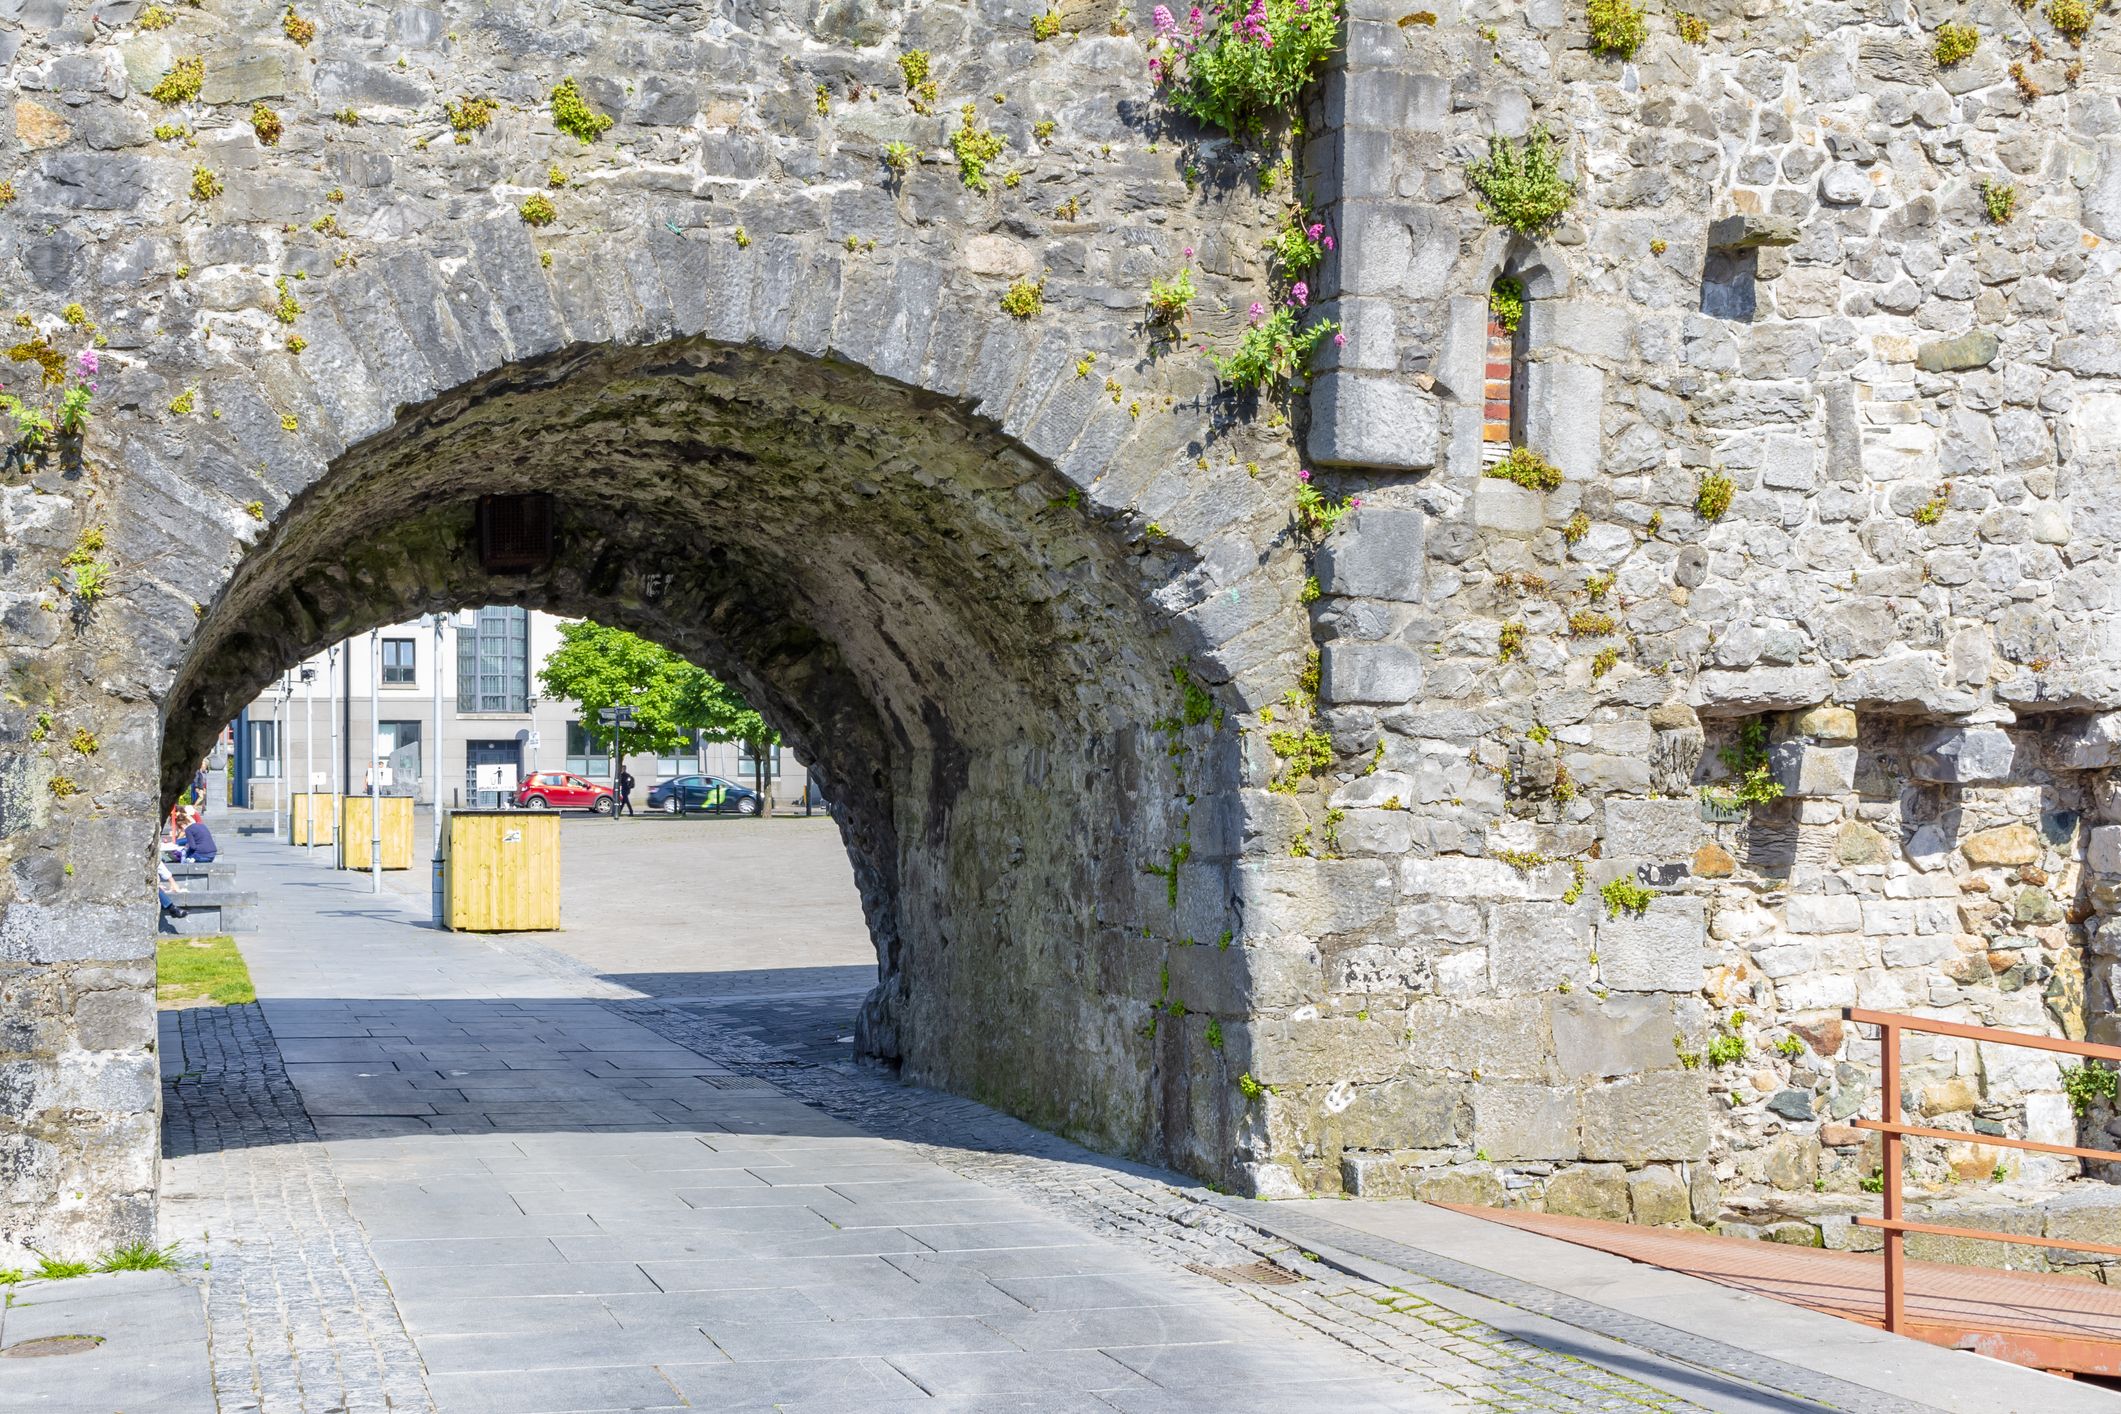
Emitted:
<point x="381" y="688"/>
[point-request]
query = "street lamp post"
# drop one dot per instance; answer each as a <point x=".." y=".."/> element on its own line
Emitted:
<point x="279" y="752"/>
<point x="375" y="782"/>
<point x="335" y="675"/>
<point x="309" y="761"/>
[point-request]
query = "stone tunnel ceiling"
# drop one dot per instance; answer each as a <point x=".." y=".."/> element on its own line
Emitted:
<point x="1439" y="910"/>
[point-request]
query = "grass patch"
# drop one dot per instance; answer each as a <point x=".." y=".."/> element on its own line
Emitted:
<point x="142" y="1257"/>
<point x="195" y="969"/>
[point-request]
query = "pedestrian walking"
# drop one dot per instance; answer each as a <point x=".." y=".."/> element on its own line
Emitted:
<point x="198" y="785"/>
<point x="625" y="791"/>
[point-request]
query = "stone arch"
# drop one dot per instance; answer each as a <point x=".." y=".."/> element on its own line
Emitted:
<point x="948" y="599"/>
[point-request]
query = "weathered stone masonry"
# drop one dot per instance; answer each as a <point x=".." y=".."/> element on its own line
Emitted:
<point x="1050" y="607"/>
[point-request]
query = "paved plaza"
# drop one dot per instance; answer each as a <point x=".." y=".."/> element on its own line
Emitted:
<point x="624" y="1167"/>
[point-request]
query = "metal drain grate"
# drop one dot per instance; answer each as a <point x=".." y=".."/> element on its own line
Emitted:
<point x="50" y="1345"/>
<point x="1248" y="1274"/>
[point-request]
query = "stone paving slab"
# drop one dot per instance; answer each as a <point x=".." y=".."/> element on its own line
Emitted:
<point x="153" y="1355"/>
<point x="665" y="1209"/>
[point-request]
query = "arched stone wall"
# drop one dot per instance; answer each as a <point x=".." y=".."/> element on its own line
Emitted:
<point x="962" y="556"/>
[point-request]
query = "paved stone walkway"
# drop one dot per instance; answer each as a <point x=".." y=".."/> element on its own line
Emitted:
<point x="551" y="1194"/>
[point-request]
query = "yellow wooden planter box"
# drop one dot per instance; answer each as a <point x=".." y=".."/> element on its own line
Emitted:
<point x="397" y="832"/>
<point x="298" y="816"/>
<point x="501" y="871"/>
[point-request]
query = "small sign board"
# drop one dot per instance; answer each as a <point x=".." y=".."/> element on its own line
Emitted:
<point x="317" y="780"/>
<point x="495" y="777"/>
<point x="534" y="740"/>
<point x="615" y="716"/>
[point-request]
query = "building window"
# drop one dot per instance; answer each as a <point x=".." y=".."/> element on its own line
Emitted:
<point x="398" y="663"/>
<point x="584" y="756"/>
<point x="398" y="744"/>
<point x="684" y="761"/>
<point x="1502" y="420"/>
<point x="493" y="662"/>
<point x="264" y="749"/>
<point x="746" y="761"/>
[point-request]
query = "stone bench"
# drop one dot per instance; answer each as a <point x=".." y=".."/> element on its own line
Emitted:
<point x="194" y="876"/>
<point x="212" y="910"/>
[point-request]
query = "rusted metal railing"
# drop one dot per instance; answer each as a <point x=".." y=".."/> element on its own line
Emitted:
<point x="1893" y="1131"/>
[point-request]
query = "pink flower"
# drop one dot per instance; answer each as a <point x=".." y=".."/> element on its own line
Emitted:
<point x="1354" y="503"/>
<point x="1340" y="341"/>
<point x="1329" y="243"/>
<point x="1300" y="296"/>
<point x="1164" y="23"/>
<point x="1156" y="71"/>
<point x="1304" y="475"/>
<point x="1193" y="16"/>
<point x="1316" y="229"/>
<point x="87" y="363"/>
<point x="1259" y="311"/>
<point x="1189" y="252"/>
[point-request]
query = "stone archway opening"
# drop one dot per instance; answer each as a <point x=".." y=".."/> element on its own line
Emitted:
<point x="926" y="610"/>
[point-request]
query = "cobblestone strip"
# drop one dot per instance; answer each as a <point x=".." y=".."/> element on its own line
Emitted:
<point x="298" y="1316"/>
<point x="1483" y="1367"/>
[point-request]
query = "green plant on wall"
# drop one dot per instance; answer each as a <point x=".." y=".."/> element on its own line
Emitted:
<point x="1243" y="64"/>
<point x="975" y="147"/>
<point x="1617" y="27"/>
<point x="1520" y="185"/>
<point x="1624" y="895"/>
<point x="572" y="115"/>
<point x="1506" y="303"/>
<point x="1754" y="782"/>
<point x="1955" y="44"/>
<point x="1713" y="496"/>
<point x="1528" y="469"/>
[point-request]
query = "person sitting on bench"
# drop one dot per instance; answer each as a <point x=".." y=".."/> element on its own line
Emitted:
<point x="197" y="841"/>
<point x="165" y="890"/>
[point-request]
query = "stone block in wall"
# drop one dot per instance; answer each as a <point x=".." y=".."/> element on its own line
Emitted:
<point x="2003" y="845"/>
<point x="1824" y="913"/>
<point x="1373" y="1176"/>
<point x="1735" y="691"/>
<point x="1582" y="326"/>
<point x="1964" y="756"/>
<point x="1374" y="420"/>
<point x="1644" y="1118"/>
<point x="1802" y="769"/>
<point x="2087" y="743"/>
<point x="1824" y="723"/>
<point x="1590" y="1191"/>
<point x="1501" y="505"/>
<point x="1567" y="406"/>
<point x="2103" y="853"/>
<point x="1384" y="674"/>
<point x="1533" y="947"/>
<point x="1535" y="1122"/>
<point x="1661" y="829"/>
<point x="1503" y="1038"/>
<point x="1376" y="554"/>
<point x="1656" y="951"/>
<point x="1407" y="1114"/>
<point x="1658" y="1198"/>
<point x="1618" y="1034"/>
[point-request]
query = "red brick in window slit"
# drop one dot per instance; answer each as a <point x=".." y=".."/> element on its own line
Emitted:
<point x="1496" y="419"/>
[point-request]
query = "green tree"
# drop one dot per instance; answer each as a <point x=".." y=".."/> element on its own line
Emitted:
<point x="599" y="667"/>
<point x="713" y="709"/>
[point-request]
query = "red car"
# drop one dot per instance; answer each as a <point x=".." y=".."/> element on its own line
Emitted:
<point x="562" y="790"/>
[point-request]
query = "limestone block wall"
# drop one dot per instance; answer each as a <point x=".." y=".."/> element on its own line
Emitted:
<point x="1779" y="269"/>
